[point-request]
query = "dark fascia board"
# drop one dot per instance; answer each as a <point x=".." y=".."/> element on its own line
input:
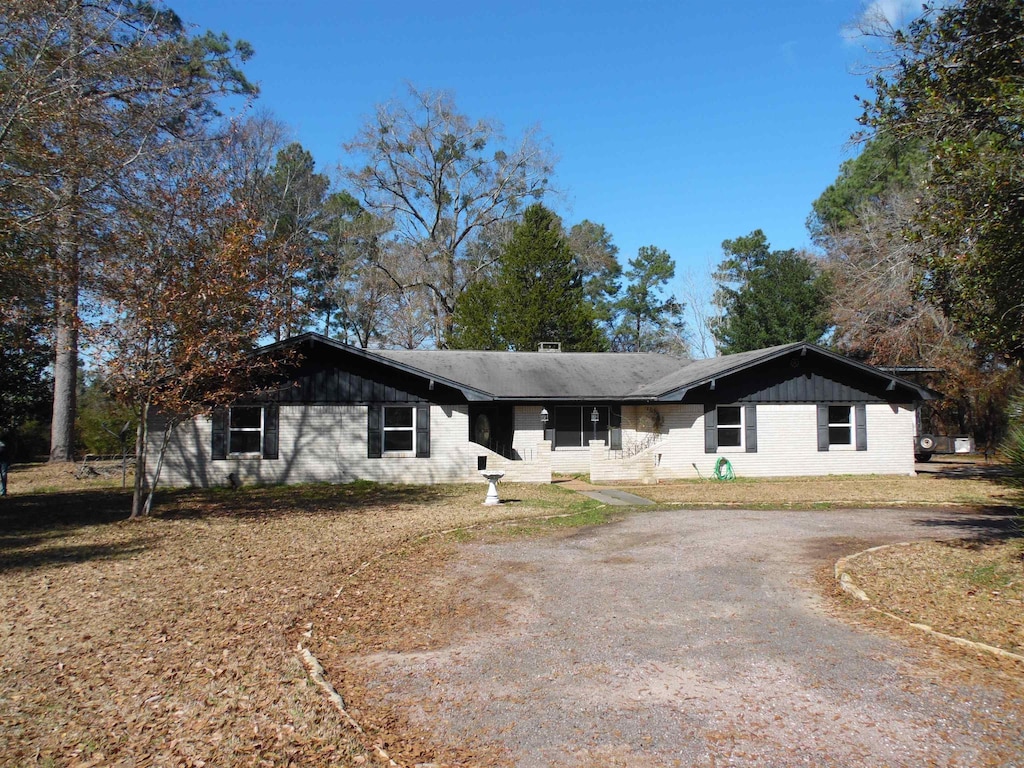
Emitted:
<point x="471" y="394"/>
<point x="923" y="393"/>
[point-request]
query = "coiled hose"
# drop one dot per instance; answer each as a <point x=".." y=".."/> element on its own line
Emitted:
<point x="723" y="469"/>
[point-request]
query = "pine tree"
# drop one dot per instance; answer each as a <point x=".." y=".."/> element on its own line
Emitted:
<point x="648" y="323"/>
<point x="537" y="295"/>
<point x="767" y="297"/>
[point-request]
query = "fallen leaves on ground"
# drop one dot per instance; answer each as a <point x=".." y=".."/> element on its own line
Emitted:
<point x="172" y="641"/>
<point x="835" y="491"/>
<point x="969" y="589"/>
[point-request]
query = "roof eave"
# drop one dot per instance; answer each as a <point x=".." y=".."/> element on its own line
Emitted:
<point x="471" y="394"/>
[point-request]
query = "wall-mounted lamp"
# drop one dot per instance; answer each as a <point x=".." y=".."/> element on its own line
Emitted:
<point x="543" y="415"/>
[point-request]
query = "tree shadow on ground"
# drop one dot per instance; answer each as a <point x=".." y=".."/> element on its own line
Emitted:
<point x="964" y="470"/>
<point x="48" y="511"/>
<point x="35" y="528"/>
<point x="28" y="556"/>
<point x="51" y="513"/>
<point x="277" y="500"/>
<point x="981" y="523"/>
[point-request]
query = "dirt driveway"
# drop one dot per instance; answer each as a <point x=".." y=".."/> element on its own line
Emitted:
<point x="696" y="638"/>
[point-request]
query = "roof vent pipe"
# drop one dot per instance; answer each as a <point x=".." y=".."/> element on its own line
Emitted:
<point x="549" y="346"/>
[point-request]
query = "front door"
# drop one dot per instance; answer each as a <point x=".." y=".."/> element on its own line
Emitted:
<point x="492" y="426"/>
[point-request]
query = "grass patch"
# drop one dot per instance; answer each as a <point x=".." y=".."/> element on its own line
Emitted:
<point x="581" y="514"/>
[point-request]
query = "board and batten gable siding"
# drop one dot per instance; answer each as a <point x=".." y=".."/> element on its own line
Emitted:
<point x="324" y="443"/>
<point x="795" y="379"/>
<point x="346" y="379"/>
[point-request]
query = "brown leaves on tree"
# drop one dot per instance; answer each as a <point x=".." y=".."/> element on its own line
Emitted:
<point x="187" y="296"/>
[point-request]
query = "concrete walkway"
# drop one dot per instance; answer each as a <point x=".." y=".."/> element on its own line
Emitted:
<point x="617" y="498"/>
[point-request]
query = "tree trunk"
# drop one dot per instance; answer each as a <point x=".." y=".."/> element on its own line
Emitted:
<point x="141" y="435"/>
<point x="164" y="440"/>
<point x="67" y="271"/>
<point x="65" y="363"/>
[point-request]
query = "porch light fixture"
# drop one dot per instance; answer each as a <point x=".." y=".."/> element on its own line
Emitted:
<point x="594" y="416"/>
<point x="543" y="415"/>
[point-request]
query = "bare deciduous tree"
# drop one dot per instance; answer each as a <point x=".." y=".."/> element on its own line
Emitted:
<point x="442" y="180"/>
<point x="877" y="308"/>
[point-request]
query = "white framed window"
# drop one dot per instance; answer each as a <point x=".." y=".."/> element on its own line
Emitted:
<point x="245" y="430"/>
<point x="399" y="429"/>
<point x="840" y="426"/>
<point x="730" y="426"/>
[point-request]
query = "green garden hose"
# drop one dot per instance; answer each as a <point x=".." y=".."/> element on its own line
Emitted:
<point x="723" y="469"/>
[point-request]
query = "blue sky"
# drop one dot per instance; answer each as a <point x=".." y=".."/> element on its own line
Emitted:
<point x="676" y="124"/>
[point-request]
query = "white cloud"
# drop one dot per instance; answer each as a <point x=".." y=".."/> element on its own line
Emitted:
<point x="895" y="12"/>
<point x="883" y="14"/>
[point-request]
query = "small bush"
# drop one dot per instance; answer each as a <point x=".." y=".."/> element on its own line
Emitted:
<point x="1013" y="444"/>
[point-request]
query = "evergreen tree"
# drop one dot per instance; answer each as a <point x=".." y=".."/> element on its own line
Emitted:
<point x="537" y="295"/>
<point x="767" y="297"/>
<point x="597" y="258"/>
<point x="884" y="167"/>
<point x="476" y="318"/>
<point x="648" y="323"/>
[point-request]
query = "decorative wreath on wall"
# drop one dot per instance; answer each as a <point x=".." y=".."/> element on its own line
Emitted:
<point x="650" y="420"/>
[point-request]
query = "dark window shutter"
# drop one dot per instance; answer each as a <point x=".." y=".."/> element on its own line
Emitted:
<point x="270" y="431"/>
<point x="615" y="428"/>
<point x="861" y="417"/>
<point x="822" y="427"/>
<point x="219" y="433"/>
<point x="710" y="428"/>
<point x="751" y="428"/>
<point x="422" y="431"/>
<point x="374" y="432"/>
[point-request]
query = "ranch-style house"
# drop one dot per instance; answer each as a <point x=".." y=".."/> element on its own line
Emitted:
<point x="337" y="413"/>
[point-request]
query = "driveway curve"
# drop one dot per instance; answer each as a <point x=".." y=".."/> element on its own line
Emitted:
<point x="696" y="638"/>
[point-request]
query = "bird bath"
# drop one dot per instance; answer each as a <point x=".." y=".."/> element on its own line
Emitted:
<point x="492" y="476"/>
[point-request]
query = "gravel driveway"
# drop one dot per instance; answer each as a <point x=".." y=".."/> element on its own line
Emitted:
<point x="695" y="638"/>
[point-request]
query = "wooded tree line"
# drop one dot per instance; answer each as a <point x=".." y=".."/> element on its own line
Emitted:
<point x="142" y="227"/>
<point x="922" y="231"/>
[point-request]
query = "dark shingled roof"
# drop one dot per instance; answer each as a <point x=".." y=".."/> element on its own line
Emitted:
<point x="547" y="375"/>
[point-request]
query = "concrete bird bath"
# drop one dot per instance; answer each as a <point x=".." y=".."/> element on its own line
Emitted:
<point x="492" y="476"/>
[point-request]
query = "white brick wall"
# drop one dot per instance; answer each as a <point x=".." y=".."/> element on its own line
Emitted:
<point x="327" y="443"/>
<point x="787" y="444"/>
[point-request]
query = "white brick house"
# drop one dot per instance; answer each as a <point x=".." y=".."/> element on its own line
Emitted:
<point x="342" y="413"/>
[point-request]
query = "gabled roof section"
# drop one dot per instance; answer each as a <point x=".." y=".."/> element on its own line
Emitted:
<point x="701" y="373"/>
<point x="313" y="340"/>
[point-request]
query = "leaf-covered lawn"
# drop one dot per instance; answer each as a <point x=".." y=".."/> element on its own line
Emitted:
<point x="834" y="491"/>
<point x="973" y="590"/>
<point x="172" y="641"/>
